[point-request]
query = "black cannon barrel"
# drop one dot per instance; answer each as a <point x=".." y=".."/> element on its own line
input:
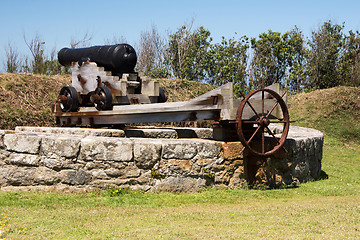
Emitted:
<point x="119" y="58"/>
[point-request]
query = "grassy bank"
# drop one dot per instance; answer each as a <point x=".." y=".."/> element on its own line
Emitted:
<point x="334" y="111"/>
<point x="27" y="99"/>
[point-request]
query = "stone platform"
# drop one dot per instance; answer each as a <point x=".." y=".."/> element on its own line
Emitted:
<point x="148" y="158"/>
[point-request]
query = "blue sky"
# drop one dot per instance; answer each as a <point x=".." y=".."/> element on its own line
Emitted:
<point x="57" y="22"/>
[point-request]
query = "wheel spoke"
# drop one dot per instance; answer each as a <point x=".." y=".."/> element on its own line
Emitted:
<point x="249" y="121"/>
<point x="248" y="141"/>
<point x="253" y="109"/>
<point x="242" y="150"/>
<point x="272" y="134"/>
<point x="280" y="121"/>
<point x="242" y="94"/>
<point x="263" y="141"/>
<point x="273" y="107"/>
<point x="262" y="102"/>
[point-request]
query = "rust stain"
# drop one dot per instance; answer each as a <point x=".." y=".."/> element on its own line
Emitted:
<point x="232" y="150"/>
<point x="81" y="80"/>
<point x="112" y="89"/>
<point x="184" y="164"/>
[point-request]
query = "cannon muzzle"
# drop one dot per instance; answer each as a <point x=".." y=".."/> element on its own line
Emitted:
<point x="119" y="58"/>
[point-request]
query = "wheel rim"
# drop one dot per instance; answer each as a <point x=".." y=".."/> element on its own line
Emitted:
<point x="263" y="120"/>
<point x="104" y="101"/>
<point x="68" y="99"/>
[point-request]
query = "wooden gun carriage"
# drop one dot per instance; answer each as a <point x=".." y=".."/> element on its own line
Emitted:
<point x="104" y="93"/>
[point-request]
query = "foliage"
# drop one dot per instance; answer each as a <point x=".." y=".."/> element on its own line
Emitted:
<point x="36" y="47"/>
<point x="326" y="51"/>
<point x="296" y="61"/>
<point x="187" y="52"/>
<point x="115" y="192"/>
<point x="155" y="174"/>
<point x="227" y="62"/>
<point x="268" y="62"/>
<point x="151" y="60"/>
<point x="278" y="58"/>
<point x="350" y="65"/>
<point x="328" y="58"/>
<point x="12" y="59"/>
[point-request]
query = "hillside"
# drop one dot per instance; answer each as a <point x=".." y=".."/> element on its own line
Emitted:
<point x="334" y="111"/>
<point x="26" y="99"/>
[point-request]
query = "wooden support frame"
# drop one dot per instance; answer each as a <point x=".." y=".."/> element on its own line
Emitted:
<point x="217" y="105"/>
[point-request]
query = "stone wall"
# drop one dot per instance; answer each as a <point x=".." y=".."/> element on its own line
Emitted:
<point x="148" y="159"/>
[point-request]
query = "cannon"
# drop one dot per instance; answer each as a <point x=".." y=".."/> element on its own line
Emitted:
<point x="104" y="93"/>
<point x="119" y="58"/>
<point x="104" y="76"/>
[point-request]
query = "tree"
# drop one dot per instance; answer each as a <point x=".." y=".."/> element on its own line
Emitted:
<point x="115" y="40"/>
<point x="53" y="66"/>
<point x="36" y="47"/>
<point x="13" y="61"/>
<point x="325" y="56"/>
<point x="82" y="42"/>
<point x="297" y="53"/>
<point x="227" y="62"/>
<point x="187" y="52"/>
<point x="279" y="58"/>
<point x="350" y="65"/>
<point x="151" y="54"/>
<point x="269" y="59"/>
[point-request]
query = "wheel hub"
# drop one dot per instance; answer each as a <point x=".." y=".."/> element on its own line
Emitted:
<point x="264" y="122"/>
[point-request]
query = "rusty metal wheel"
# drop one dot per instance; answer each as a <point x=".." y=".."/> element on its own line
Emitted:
<point x="68" y="99"/>
<point x="261" y="120"/>
<point x="103" y="98"/>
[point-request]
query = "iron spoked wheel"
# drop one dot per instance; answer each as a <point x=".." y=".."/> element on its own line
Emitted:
<point x="68" y="99"/>
<point x="261" y="121"/>
<point x="103" y="99"/>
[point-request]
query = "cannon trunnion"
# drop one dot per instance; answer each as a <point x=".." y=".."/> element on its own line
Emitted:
<point x="106" y="91"/>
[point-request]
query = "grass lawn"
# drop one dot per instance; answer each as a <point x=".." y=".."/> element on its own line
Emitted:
<point x="325" y="209"/>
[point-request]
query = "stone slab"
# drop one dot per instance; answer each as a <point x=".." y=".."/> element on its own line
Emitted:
<point x="23" y="143"/>
<point x="61" y="145"/>
<point x="106" y="148"/>
<point x="73" y="131"/>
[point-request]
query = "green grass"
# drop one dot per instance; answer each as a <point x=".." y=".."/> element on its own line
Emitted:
<point x="325" y="209"/>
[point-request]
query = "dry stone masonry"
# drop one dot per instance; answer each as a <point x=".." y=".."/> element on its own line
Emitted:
<point x="148" y="159"/>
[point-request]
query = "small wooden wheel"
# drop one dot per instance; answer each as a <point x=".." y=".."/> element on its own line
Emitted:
<point x="261" y="121"/>
<point x="103" y="98"/>
<point x="68" y="99"/>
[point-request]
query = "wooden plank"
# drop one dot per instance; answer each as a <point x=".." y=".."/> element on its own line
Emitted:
<point x="201" y="103"/>
<point x="176" y="116"/>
